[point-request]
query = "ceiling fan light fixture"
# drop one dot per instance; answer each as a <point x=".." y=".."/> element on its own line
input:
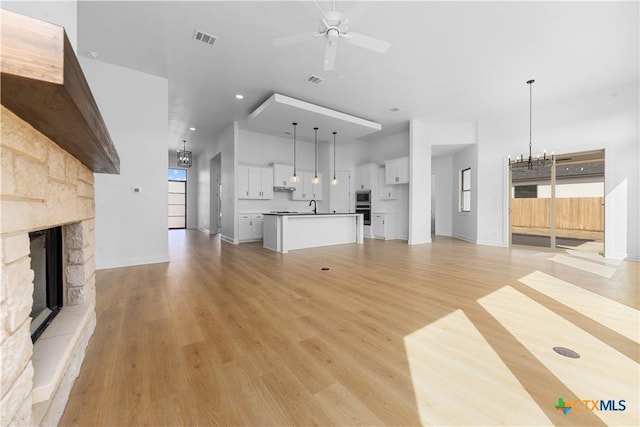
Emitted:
<point x="333" y="27"/>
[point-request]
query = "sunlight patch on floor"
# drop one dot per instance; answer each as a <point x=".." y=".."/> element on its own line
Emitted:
<point x="615" y="316"/>
<point x="594" y="257"/>
<point x="587" y="266"/>
<point x="600" y="373"/>
<point x="455" y="371"/>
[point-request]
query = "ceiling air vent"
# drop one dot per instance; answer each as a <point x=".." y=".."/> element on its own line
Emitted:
<point x="315" y="79"/>
<point x="204" y="37"/>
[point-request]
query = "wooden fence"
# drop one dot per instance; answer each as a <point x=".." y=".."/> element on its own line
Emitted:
<point x="583" y="213"/>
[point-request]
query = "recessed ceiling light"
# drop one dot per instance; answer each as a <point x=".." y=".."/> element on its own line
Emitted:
<point x="192" y="128"/>
<point x="239" y="96"/>
<point x="394" y="109"/>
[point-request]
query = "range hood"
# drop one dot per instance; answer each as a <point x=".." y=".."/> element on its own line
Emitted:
<point x="281" y="188"/>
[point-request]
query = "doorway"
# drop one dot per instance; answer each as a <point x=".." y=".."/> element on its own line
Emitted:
<point x="215" y="195"/>
<point x="177" y="208"/>
<point x="560" y="205"/>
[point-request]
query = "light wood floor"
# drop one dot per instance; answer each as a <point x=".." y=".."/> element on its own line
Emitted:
<point x="391" y="335"/>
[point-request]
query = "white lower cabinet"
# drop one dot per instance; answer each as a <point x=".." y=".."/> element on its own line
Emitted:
<point x="379" y="225"/>
<point x="250" y="227"/>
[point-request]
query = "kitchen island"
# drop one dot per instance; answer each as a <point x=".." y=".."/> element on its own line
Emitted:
<point x="288" y="231"/>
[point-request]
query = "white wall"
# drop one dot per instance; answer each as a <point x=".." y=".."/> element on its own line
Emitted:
<point x="419" y="183"/>
<point x="192" y="189"/>
<point x="442" y="167"/>
<point x="63" y="13"/>
<point x="260" y="150"/>
<point x="389" y="147"/>
<point x="608" y="120"/>
<point x="225" y="144"/>
<point x="131" y="228"/>
<point x="465" y="224"/>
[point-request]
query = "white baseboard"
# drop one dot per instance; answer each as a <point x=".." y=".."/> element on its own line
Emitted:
<point x="204" y="230"/>
<point x="228" y="239"/>
<point x="130" y="262"/>
<point x="462" y="237"/>
<point x="618" y="256"/>
<point x="495" y="243"/>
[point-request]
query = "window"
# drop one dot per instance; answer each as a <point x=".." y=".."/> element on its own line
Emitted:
<point x="177" y="174"/>
<point x="465" y="190"/>
<point x="525" y="191"/>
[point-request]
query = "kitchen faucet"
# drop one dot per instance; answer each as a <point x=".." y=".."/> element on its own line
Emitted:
<point x="315" y="207"/>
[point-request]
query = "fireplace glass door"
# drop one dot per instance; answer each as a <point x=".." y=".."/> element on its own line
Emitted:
<point x="46" y="263"/>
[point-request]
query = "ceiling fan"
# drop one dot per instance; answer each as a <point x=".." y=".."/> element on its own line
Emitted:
<point x="334" y="27"/>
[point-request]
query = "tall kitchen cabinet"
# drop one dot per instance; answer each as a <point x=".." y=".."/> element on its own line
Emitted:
<point x="255" y="182"/>
<point x="305" y="189"/>
<point x="365" y="174"/>
<point x="385" y="191"/>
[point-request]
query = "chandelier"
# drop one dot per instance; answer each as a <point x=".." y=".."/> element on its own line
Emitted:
<point x="531" y="163"/>
<point x="184" y="156"/>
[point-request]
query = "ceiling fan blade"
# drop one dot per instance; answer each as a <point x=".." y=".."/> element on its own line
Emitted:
<point x="367" y="42"/>
<point x="285" y="41"/>
<point x="330" y="56"/>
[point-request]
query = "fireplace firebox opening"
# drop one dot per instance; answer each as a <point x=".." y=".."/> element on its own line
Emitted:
<point x="46" y="263"/>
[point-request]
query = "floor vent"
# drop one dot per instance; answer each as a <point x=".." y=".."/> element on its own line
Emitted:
<point x="204" y="37"/>
<point x="315" y="79"/>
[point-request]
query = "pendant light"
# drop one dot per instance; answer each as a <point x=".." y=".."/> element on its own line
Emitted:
<point x="294" y="178"/>
<point x="315" y="177"/>
<point x="334" y="181"/>
<point x="184" y="156"/>
<point x="530" y="163"/>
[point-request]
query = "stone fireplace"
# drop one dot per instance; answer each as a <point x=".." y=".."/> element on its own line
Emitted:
<point x="52" y="140"/>
<point x="42" y="186"/>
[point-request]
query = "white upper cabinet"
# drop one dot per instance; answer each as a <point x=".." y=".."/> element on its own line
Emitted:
<point x="397" y="171"/>
<point x="255" y="182"/>
<point x="365" y="174"/>
<point x="306" y="189"/>
<point x="282" y="175"/>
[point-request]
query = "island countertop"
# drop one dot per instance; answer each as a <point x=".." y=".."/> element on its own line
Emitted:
<point x="308" y="213"/>
<point x="285" y="231"/>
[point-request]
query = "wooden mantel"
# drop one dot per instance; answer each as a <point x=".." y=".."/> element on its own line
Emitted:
<point x="43" y="84"/>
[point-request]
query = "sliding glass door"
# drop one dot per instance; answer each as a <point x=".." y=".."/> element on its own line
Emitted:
<point x="561" y="204"/>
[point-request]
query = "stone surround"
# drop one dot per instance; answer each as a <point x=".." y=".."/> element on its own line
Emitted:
<point x="42" y="186"/>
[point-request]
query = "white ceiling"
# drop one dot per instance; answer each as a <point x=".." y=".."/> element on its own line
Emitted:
<point x="277" y="113"/>
<point x="449" y="62"/>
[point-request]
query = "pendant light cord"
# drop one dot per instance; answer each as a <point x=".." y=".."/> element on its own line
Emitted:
<point x="334" y="155"/>
<point x="294" y="148"/>
<point x="530" y="83"/>
<point x="316" y="154"/>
